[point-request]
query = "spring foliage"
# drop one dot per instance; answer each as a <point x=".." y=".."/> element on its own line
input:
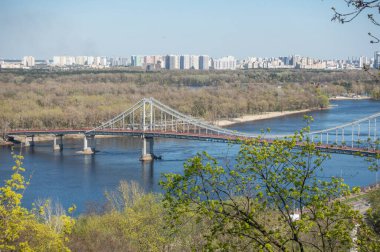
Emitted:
<point x="271" y="200"/>
<point x="20" y="229"/>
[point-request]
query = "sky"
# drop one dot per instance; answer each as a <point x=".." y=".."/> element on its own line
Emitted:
<point x="242" y="28"/>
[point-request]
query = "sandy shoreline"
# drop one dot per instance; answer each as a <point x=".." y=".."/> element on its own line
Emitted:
<point x="266" y="115"/>
<point x="269" y="115"/>
<point x="350" y="98"/>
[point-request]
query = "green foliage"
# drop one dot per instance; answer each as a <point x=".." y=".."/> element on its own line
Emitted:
<point x="20" y="229"/>
<point x="257" y="199"/>
<point x="135" y="221"/>
<point x="373" y="215"/>
<point x="376" y="93"/>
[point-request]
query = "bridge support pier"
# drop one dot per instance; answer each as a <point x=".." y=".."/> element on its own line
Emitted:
<point x="59" y="146"/>
<point x="28" y="143"/>
<point x="145" y="155"/>
<point x="87" y="150"/>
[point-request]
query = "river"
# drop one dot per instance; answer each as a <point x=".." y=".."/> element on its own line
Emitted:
<point x="71" y="178"/>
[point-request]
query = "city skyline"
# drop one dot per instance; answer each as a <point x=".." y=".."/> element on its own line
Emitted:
<point x="195" y="62"/>
<point x="348" y="57"/>
<point x="265" y="28"/>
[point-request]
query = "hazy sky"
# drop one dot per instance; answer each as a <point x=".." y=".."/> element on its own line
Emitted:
<point x="242" y="28"/>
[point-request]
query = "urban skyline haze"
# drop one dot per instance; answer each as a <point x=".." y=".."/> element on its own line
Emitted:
<point x="241" y="28"/>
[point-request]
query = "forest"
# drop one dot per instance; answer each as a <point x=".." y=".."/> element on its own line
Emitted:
<point x="43" y="99"/>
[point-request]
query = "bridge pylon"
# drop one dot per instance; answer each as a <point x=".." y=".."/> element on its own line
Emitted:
<point x="147" y="154"/>
<point x="86" y="148"/>
<point x="28" y="143"/>
<point x="58" y="147"/>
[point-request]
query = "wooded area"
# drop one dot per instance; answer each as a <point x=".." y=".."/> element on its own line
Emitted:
<point x="38" y="99"/>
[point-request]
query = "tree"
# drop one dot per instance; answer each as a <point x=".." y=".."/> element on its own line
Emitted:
<point x="356" y="8"/>
<point x="19" y="229"/>
<point x="271" y="200"/>
<point x="374" y="212"/>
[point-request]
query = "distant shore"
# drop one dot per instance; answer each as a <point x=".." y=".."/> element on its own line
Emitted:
<point x="263" y="116"/>
<point x="269" y="115"/>
<point x="350" y="98"/>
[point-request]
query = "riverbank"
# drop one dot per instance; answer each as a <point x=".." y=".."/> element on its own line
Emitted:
<point x="266" y="115"/>
<point x="356" y="97"/>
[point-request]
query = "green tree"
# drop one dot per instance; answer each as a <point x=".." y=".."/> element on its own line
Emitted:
<point x="271" y="200"/>
<point x="373" y="215"/>
<point x="19" y="229"/>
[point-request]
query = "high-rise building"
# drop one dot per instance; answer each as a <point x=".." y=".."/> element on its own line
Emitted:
<point x="90" y="60"/>
<point x="148" y="60"/>
<point x="70" y="60"/>
<point x="64" y="60"/>
<point x="296" y="59"/>
<point x="136" y="60"/>
<point x="80" y="60"/>
<point x="96" y="61"/>
<point x="28" y="61"/>
<point x="376" y="62"/>
<point x="194" y="62"/>
<point x="119" y="61"/>
<point x="184" y="62"/>
<point x="363" y="60"/>
<point x="225" y="63"/>
<point x="56" y="60"/>
<point x="204" y="62"/>
<point x="171" y="62"/>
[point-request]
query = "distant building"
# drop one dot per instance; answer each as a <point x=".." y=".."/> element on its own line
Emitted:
<point x="90" y="60"/>
<point x="296" y="60"/>
<point x="64" y="60"/>
<point x="184" y="62"/>
<point x="194" y="62"/>
<point x="28" y="61"/>
<point x="59" y="61"/>
<point x="363" y="60"/>
<point x="80" y="60"/>
<point x="136" y="61"/>
<point x="149" y="60"/>
<point x="225" y="63"/>
<point x="171" y="62"/>
<point x="204" y="62"/>
<point x="376" y="62"/>
<point x="119" y="61"/>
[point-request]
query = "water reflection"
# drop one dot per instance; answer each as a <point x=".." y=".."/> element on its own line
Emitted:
<point x="147" y="175"/>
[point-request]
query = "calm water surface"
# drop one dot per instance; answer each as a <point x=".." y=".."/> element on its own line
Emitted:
<point x="70" y="178"/>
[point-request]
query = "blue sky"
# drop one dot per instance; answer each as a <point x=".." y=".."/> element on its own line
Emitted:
<point x="242" y="28"/>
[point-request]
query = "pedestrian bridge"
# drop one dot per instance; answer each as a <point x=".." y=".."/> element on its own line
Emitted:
<point x="151" y="119"/>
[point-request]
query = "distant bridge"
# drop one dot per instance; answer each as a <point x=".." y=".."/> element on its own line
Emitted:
<point x="151" y="119"/>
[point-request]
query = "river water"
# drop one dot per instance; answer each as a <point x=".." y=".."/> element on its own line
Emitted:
<point x="71" y="178"/>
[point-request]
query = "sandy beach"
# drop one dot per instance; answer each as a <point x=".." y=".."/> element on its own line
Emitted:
<point x="266" y="115"/>
<point x="350" y="98"/>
